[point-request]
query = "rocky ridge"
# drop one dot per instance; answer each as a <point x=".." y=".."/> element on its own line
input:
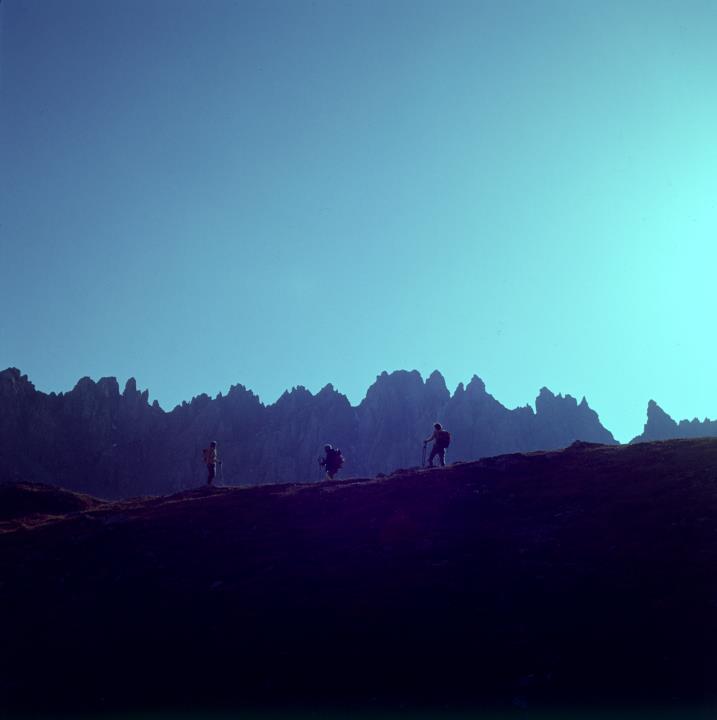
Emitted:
<point x="115" y="444"/>
<point x="660" y="426"/>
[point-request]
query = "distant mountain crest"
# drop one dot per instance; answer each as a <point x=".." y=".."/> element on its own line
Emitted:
<point x="96" y="439"/>
<point x="660" y="426"/>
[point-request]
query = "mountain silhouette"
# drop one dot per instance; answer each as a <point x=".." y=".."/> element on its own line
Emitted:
<point x="660" y="426"/>
<point x="115" y="444"/>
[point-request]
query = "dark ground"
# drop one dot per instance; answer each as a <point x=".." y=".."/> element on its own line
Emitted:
<point x="578" y="580"/>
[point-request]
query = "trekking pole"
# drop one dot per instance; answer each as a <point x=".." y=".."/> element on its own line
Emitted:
<point x="423" y="456"/>
<point x="221" y="472"/>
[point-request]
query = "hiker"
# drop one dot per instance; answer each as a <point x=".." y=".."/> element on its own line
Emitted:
<point x="441" y="440"/>
<point x="332" y="462"/>
<point x="211" y="460"/>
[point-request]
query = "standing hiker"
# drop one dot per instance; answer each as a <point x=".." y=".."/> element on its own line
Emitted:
<point x="332" y="462"/>
<point x="441" y="440"/>
<point x="211" y="460"/>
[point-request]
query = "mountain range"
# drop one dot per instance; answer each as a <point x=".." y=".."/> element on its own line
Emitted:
<point x="111" y="443"/>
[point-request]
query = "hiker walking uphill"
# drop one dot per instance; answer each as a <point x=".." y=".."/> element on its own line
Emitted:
<point x="332" y="461"/>
<point x="441" y="440"/>
<point x="211" y="460"/>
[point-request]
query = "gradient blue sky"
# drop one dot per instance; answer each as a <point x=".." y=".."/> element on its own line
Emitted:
<point x="278" y="193"/>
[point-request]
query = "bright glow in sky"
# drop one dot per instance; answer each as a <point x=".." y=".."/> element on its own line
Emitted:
<point x="283" y="193"/>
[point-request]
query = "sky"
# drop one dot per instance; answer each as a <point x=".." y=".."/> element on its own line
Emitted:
<point x="297" y="193"/>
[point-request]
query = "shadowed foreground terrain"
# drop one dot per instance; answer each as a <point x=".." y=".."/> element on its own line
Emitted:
<point x="584" y="578"/>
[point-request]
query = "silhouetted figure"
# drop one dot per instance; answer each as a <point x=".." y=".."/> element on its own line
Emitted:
<point x="332" y="461"/>
<point x="211" y="459"/>
<point x="441" y="440"/>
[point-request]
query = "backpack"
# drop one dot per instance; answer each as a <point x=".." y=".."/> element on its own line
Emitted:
<point x="443" y="439"/>
<point x="207" y="455"/>
<point x="334" y="460"/>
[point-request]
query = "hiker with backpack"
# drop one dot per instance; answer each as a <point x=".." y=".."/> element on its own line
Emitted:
<point x="441" y="440"/>
<point x="332" y="461"/>
<point x="211" y="460"/>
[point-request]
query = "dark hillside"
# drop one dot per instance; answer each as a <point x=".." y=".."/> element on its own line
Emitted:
<point x="26" y="501"/>
<point x="574" y="578"/>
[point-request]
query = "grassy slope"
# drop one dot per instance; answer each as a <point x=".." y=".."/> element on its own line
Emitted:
<point x="579" y="577"/>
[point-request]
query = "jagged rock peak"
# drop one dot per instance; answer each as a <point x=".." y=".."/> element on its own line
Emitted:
<point x="106" y="386"/>
<point x="402" y="382"/>
<point x="659" y="425"/>
<point x="83" y="384"/>
<point x="437" y="388"/>
<point x="654" y="408"/>
<point x="476" y="386"/>
<point x="547" y="397"/>
<point x="12" y="373"/>
<point x="12" y="381"/>
<point x="655" y="414"/>
<point x="297" y="392"/>
<point x="132" y="395"/>
<point x="330" y="396"/>
<point x="239" y="391"/>
<point x="330" y="392"/>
